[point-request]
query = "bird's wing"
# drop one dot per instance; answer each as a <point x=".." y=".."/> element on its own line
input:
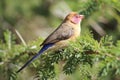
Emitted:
<point x="63" y="32"/>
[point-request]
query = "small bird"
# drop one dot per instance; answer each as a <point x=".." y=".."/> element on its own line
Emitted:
<point x="67" y="31"/>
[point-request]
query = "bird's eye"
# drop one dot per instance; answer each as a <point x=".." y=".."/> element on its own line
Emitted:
<point x="77" y="16"/>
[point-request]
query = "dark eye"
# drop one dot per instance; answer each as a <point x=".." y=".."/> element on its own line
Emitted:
<point x="77" y="16"/>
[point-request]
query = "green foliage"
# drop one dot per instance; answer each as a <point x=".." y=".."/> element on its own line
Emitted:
<point x="90" y="58"/>
<point x="90" y="7"/>
<point x="86" y="58"/>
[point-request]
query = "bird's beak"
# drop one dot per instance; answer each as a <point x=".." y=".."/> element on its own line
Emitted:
<point x="81" y="16"/>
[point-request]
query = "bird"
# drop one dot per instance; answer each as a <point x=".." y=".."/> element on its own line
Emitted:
<point x="67" y="31"/>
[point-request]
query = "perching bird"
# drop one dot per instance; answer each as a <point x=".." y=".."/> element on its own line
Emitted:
<point x="68" y="30"/>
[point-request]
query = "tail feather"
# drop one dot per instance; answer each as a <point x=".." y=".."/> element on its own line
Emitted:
<point x="45" y="47"/>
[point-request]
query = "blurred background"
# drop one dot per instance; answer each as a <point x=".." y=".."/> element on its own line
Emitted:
<point x="38" y="18"/>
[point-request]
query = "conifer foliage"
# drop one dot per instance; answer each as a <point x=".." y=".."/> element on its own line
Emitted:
<point x="85" y="59"/>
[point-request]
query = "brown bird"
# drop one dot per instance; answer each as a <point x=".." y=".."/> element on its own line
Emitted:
<point x="68" y="30"/>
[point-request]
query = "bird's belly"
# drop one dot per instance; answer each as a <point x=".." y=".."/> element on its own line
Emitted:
<point x="60" y="45"/>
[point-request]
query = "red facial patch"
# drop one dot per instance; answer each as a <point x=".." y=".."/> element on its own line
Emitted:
<point x="76" y="19"/>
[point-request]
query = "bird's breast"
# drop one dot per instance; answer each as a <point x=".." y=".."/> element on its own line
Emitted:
<point x="77" y="30"/>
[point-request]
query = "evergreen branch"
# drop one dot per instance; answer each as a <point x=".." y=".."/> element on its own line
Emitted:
<point x="92" y="6"/>
<point x="110" y="55"/>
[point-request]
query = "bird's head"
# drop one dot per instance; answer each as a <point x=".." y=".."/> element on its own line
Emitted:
<point x="74" y="17"/>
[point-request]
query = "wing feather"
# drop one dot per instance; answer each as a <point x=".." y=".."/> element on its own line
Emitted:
<point x="63" y="32"/>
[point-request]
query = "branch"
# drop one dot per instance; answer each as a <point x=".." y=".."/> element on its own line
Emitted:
<point x="117" y="58"/>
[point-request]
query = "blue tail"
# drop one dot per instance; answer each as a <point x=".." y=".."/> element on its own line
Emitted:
<point x="45" y="47"/>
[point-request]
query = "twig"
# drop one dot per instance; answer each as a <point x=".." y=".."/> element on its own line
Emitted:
<point x="117" y="58"/>
<point x="21" y="38"/>
<point x="107" y="54"/>
<point x="97" y="28"/>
